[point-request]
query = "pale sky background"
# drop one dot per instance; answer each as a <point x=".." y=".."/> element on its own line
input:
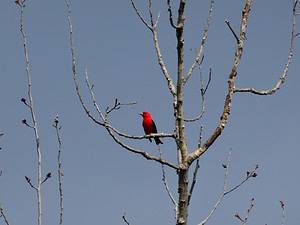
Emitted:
<point x="102" y="181"/>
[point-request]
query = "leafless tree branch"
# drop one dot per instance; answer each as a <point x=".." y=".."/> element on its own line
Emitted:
<point x="2" y="214"/>
<point x="153" y="29"/>
<point x="1" y="134"/>
<point x="33" y="117"/>
<point x="230" y="90"/>
<point x="197" y="166"/>
<point x="245" y="220"/>
<point x="232" y="31"/>
<point x="125" y="219"/>
<point x="74" y="67"/>
<point x="56" y="125"/>
<point x="283" y="76"/>
<point x="226" y="190"/>
<point x="226" y="167"/>
<point x="249" y="175"/>
<point x="202" y="92"/>
<point x="117" y="105"/>
<point x="171" y="14"/>
<point x="30" y="184"/>
<point x="282" y="206"/>
<point x="146" y="155"/>
<point x="199" y="56"/>
<point x="140" y="15"/>
<point x="165" y="182"/>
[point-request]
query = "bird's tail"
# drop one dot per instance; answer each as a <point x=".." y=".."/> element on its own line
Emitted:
<point x="157" y="140"/>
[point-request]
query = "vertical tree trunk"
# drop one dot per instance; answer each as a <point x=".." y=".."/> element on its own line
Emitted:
<point x="183" y="186"/>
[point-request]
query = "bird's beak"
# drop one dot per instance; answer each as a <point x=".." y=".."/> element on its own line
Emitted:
<point x="141" y="114"/>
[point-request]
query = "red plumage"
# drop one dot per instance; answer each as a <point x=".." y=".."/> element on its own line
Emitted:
<point x="149" y="126"/>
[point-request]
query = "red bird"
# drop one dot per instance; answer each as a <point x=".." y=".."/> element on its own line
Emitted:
<point x="149" y="126"/>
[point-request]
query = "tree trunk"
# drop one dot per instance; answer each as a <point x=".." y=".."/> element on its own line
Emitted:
<point x="183" y="186"/>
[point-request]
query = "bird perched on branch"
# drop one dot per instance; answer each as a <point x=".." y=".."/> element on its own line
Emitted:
<point x="149" y="126"/>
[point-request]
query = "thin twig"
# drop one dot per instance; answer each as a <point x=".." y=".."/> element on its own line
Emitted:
<point x="227" y="190"/>
<point x="283" y="76"/>
<point x="116" y="106"/>
<point x="249" y="175"/>
<point x="33" y="118"/>
<point x="282" y="206"/>
<point x="74" y="66"/>
<point x="232" y="31"/>
<point x="226" y="167"/>
<point x="171" y="14"/>
<point x="30" y="184"/>
<point x="200" y="56"/>
<point x="1" y="134"/>
<point x="197" y="166"/>
<point x="4" y="216"/>
<point x="57" y="127"/>
<point x="125" y="219"/>
<point x="165" y="182"/>
<point x="245" y="220"/>
<point x="146" y="155"/>
<point x="202" y="92"/>
<point x="160" y="60"/>
<point x="140" y="16"/>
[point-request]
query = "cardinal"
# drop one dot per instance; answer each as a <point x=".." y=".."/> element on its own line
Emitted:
<point x="149" y="126"/>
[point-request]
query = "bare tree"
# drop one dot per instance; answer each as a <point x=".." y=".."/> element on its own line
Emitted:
<point x="186" y="157"/>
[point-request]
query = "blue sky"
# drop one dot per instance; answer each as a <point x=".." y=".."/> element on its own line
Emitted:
<point x="102" y="180"/>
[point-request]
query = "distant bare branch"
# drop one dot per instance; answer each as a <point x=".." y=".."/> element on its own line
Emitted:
<point x="203" y="92"/>
<point x="200" y="56"/>
<point x="283" y="76"/>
